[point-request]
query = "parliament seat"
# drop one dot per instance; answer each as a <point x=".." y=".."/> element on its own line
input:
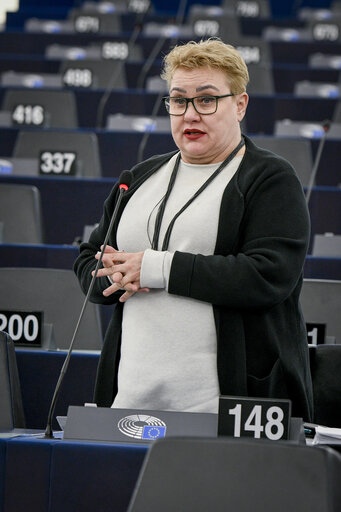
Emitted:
<point x="321" y="304"/>
<point x="11" y="404"/>
<point x="41" y="108"/>
<point x="325" y="366"/>
<point x="60" y="152"/>
<point x="296" y="150"/>
<point x="21" y="219"/>
<point x="200" y="474"/>
<point x="327" y="245"/>
<point x="57" y="295"/>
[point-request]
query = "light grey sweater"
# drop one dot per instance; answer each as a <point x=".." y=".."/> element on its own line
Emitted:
<point x="168" y="351"/>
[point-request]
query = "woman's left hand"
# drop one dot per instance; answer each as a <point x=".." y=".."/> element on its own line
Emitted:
<point x="124" y="270"/>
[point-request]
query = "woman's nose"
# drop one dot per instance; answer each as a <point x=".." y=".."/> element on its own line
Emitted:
<point x="191" y="113"/>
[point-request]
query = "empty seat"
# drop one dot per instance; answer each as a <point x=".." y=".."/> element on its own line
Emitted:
<point x="327" y="245"/>
<point x="213" y="21"/>
<point x="120" y="122"/>
<point x="20" y="214"/>
<point x="311" y="130"/>
<point x="187" y="474"/>
<point x="317" y="89"/>
<point x="325" y="365"/>
<point x="249" y="8"/>
<point x="93" y="74"/>
<point x="261" y="79"/>
<point x="11" y="406"/>
<point x="41" y="108"/>
<point x="57" y="295"/>
<point x="60" y="152"/>
<point x="94" y="21"/>
<point x="322" y="60"/>
<point x="296" y="150"/>
<point x="321" y="304"/>
<point x="30" y="80"/>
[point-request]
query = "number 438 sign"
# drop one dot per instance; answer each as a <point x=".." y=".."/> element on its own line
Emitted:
<point x="254" y="417"/>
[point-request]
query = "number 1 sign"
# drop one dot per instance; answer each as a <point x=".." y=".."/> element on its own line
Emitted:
<point x="254" y="417"/>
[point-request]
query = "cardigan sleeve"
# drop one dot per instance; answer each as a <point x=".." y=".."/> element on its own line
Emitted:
<point x="86" y="262"/>
<point x="272" y="243"/>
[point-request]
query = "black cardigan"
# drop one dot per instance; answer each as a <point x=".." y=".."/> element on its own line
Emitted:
<point x="253" y="281"/>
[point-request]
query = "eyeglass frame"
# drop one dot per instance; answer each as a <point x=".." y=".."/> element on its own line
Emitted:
<point x="191" y="100"/>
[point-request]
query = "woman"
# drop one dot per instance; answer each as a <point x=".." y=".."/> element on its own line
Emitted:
<point x="205" y="261"/>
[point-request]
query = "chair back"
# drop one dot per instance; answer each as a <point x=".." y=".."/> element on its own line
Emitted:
<point x="21" y="214"/>
<point x="325" y="365"/>
<point x="187" y="474"/>
<point x="11" y="406"/>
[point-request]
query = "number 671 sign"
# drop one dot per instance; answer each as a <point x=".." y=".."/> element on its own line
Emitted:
<point x="254" y="417"/>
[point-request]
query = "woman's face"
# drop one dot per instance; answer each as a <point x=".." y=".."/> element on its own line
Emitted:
<point x="204" y="139"/>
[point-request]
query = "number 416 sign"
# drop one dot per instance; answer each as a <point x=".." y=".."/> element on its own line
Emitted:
<point x="254" y="417"/>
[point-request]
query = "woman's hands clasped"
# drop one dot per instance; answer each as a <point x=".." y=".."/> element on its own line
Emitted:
<point x="123" y="268"/>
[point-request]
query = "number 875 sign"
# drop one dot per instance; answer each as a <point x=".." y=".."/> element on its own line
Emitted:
<point x="254" y="417"/>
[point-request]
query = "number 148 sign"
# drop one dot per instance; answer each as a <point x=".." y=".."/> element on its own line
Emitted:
<point x="254" y="417"/>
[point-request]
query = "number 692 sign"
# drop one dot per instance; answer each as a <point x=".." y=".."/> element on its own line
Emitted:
<point x="254" y="417"/>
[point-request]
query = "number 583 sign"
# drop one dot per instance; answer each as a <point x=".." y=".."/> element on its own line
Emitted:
<point x="254" y="417"/>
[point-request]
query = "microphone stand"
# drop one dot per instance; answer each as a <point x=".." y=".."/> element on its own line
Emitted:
<point x="117" y="71"/>
<point x="326" y="126"/>
<point x="148" y="64"/>
<point x="122" y="188"/>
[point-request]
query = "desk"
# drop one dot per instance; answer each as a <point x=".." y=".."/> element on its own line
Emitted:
<point x="41" y="475"/>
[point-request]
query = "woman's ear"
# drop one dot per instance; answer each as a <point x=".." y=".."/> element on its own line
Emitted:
<point x="242" y="102"/>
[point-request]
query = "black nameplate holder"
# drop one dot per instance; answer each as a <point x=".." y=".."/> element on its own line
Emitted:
<point x="208" y="27"/>
<point x="87" y="24"/>
<point x="327" y="31"/>
<point x="115" y="50"/>
<point x="58" y="163"/>
<point x="316" y="333"/>
<point x="257" y="418"/>
<point x="78" y="77"/>
<point x="248" y="9"/>
<point x="27" y="329"/>
<point x="24" y="114"/>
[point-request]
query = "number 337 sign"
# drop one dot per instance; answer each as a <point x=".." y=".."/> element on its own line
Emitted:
<point x="254" y="417"/>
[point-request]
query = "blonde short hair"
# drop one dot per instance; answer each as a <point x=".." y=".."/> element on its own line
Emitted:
<point x="211" y="53"/>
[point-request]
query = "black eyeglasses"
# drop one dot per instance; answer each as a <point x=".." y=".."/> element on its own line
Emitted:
<point x="204" y="105"/>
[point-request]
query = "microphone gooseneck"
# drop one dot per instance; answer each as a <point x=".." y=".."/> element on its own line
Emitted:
<point x="180" y="16"/>
<point x="326" y="127"/>
<point x="124" y="183"/>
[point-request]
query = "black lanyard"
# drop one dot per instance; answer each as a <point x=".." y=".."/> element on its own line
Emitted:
<point x="161" y="210"/>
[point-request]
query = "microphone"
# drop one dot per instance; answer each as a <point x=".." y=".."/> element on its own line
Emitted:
<point x="180" y="15"/>
<point x="326" y="124"/>
<point x="124" y="183"/>
<point x="133" y="37"/>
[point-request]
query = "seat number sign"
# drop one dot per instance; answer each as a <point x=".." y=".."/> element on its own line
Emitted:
<point x="25" y="328"/>
<point x="254" y="417"/>
<point x="57" y="163"/>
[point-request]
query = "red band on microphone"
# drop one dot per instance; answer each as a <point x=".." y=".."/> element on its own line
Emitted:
<point x="123" y="186"/>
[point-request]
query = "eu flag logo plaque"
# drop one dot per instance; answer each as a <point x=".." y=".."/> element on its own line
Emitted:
<point x="153" y="432"/>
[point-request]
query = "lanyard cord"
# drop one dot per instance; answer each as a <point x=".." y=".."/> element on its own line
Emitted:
<point x="162" y="206"/>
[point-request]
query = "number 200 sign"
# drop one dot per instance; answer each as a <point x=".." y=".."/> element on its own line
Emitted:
<point x="254" y="417"/>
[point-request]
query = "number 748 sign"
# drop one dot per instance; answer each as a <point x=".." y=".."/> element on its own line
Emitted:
<point x="254" y="417"/>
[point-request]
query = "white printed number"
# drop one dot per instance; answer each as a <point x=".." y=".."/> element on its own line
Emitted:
<point x="274" y="428"/>
<point x="28" y="114"/>
<point x="77" y="77"/>
<point x="206" y="28"/>
<point x="247" y="9"/>
<point x="18" y="327"/>
<point x="87" y="24"/>
<point x="118" y="51"/>
<point x="56" y="163"/>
